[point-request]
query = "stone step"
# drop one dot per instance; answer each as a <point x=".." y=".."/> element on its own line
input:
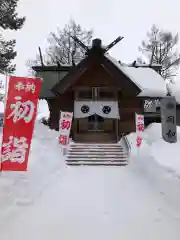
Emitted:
<point x="105" y="148"/>
<point x="85" y="163"/>
<point x="95" y="153"/>
<point x="96" y="144"/>
<point x="96" y="157"/>
<point x="96" y="160"/>
<point x="95" y="147"/>
<point x="95" y="150"/>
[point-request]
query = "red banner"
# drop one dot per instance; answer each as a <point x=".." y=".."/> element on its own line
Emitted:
<point x="139" y="129"/>
<point x="19" y="118"/>
<point x="138" y="141"/>
<point x="65" y="128"/>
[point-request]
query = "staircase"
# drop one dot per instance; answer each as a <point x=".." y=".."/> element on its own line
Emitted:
<point x="96" y="155"/>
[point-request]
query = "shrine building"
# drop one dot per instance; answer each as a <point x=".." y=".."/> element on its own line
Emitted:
<point x="102" y="93"/>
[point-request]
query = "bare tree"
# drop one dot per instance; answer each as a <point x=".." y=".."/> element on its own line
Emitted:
<point x="33" y="62"/>
<point x="161" y="48"/>
<point x="63" y="49"/>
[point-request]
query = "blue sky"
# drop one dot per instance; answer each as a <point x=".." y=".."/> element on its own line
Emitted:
<point x="109" y="19"/>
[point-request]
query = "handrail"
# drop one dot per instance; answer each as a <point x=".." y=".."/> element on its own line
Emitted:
<point x="124" y="141"/>
<point x="129" y="145"/>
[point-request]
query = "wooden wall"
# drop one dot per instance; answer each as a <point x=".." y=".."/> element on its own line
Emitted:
<point x="65" y="102"/>
<point x="98" y="77"/>
<point x="127" y="109"/>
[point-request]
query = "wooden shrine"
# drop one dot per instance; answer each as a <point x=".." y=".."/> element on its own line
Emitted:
<point x="102" y="93"/>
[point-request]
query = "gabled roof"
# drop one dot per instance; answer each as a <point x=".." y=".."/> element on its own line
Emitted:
<point x="67" y="81"/>
<point x="88" y="62"/>
<point x="148" y="82"/>
<point x="52" y="68"/>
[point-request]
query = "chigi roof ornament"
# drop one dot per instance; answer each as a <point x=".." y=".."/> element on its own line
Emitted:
<point x="97" y="44"/>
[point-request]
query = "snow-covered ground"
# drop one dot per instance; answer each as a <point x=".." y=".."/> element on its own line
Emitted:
<point x="18" y="188"/>
<point x="54" y="201"/>
<point x="164" y="153"/>
<point x="159" y="162"/>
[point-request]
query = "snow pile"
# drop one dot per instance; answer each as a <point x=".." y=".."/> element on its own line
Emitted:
<point x="164" y="153"/>
<point x="43" y="110"/>
<point x="174" y="89"/>
<point x="158" y="162"/>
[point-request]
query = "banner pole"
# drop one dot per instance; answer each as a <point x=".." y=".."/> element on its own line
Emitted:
<point x="6" y="88"/>
<point x="5" y="96"/>
<point x="6" y="85"/>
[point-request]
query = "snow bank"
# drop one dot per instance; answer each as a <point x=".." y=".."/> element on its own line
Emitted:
<point x="164" y="153"/>
<point x="174" y="89"/>
<point x="43" y="110"/>
<point x="158" y="161"/>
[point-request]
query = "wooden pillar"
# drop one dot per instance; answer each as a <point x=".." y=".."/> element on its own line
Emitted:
<point x="74" y="129"/>
<point x="117" y="129"/>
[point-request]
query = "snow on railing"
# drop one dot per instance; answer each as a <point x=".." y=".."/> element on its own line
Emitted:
<point x="126" y="145"/>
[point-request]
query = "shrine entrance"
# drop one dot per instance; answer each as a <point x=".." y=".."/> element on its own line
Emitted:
<point x="95" y="123"/>
<point x="96" y="115"/>
<point x="95" y="128"/>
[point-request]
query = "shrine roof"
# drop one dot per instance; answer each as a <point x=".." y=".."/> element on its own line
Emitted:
<point x="64" y="67"/>
<point x="150" y="83"/>
<point x="57" y="78"/>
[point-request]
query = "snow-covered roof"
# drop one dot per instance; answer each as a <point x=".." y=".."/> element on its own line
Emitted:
<point x="148" y="65"/>
<point x="149" y="81"/>
<point x="174" y="90"/>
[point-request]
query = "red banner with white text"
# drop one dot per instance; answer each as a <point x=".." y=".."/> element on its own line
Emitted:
<point x="139" y="129"/>
<point x="65" y="128"/>
<point x="19" y="118"/>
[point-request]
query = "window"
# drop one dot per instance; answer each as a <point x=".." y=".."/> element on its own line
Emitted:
<point x="96" y="93"/>
<point x="85" y="94"/>
<point x="106" y="94"/>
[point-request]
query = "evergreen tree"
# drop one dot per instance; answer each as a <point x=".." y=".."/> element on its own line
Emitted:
<point x="8" y="20"/>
